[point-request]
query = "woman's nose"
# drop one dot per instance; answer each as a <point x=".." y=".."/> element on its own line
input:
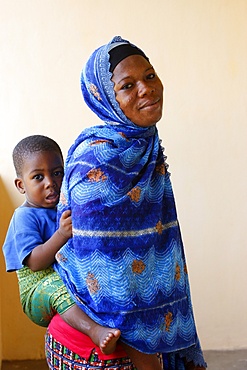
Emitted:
<point x="144" y="89"/>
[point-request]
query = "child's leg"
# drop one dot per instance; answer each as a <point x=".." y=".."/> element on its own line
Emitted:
<point x="35" y="295"/>
<point x="61" y="302"/>
<point x="105" y="338"/>
<point x="43" y="294"/>
<point x="142" y="361"/>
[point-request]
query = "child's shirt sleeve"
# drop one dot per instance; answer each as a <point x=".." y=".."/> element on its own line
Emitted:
<point x="29" y="227"/>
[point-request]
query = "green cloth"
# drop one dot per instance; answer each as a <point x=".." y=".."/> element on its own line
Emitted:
<point x="42" y="294"/>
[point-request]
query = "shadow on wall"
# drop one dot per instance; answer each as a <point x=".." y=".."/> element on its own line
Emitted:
<point x="14" y="325"/>
<point x="6" y="210"/>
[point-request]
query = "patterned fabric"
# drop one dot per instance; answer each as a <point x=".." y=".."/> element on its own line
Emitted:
<point x="60" y="357"/>
<point x="42" y="295"/>
<point x="125" y="265"/>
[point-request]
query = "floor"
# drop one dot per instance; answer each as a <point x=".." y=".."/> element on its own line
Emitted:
<point x="216" y="360"/>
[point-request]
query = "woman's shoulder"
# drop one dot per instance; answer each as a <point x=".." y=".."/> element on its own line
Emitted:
<point x="96" y="135"/>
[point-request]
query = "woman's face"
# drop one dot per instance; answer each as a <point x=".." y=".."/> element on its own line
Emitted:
<point x="138" y="90"/>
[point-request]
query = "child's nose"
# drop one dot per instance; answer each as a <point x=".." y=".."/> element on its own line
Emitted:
<point x="50" y="181"/>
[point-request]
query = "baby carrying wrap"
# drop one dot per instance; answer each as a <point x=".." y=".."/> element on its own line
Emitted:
<point x="125" y="265"/>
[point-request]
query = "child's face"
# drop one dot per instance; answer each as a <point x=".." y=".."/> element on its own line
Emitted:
<point x="42" y="176"/>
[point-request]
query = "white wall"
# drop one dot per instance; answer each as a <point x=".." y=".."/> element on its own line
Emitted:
<point x="199" y="49"/>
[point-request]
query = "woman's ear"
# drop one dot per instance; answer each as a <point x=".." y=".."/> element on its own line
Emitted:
<point x="19" y="185"/>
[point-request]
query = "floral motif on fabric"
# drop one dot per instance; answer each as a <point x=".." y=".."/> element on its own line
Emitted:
<point x="160" y="168"/>
<point x="135" y="194"/>
<point x="96" y="175"/>
<point x="168" y="320"/>
<point x="178" y="272"/>
<point x="185" y="269"/>
<point x="94" y="90"/>
<point x="92" y="283"/>
<point x="124" y="136"/>
<point x="159" y="227"/>
<point x="60" y="257"/>
<point x="138" y="266"/>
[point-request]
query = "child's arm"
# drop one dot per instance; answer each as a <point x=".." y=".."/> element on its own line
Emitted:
<point x="43" y="255"/>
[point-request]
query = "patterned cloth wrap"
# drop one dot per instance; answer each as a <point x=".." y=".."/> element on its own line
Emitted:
<point x="125" y="265"/>
<point x="59" y="357"/>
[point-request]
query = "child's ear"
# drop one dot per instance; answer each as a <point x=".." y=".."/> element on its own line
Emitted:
<point x="19" y="185"/>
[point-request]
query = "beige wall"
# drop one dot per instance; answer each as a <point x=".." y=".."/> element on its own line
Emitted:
<point x="16" y="328"/>
<point x="199" y="49"/>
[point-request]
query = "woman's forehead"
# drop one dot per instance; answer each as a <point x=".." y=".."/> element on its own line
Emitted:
<point x="132" y="65"/>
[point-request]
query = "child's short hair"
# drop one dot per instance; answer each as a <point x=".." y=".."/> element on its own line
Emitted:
<point x="31" y="144"/>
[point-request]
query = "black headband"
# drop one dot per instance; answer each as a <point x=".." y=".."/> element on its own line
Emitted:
<point x="120" y="52"/>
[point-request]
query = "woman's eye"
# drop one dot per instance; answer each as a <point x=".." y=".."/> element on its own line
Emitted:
<point x="127" y="86"/>
<point x="150" y="76"/>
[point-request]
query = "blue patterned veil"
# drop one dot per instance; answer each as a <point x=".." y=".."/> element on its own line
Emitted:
<point x="97" y="88"/>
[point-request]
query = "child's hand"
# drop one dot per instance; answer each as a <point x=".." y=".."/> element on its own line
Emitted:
<point x="65" y="225"/>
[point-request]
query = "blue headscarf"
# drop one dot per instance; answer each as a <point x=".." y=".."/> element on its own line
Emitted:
<point x="125" y="265"/>
<point x="97" y="88"/>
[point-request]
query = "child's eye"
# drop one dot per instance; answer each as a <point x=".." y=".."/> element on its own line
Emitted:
<point x="38" y="177"/>
<point x="58" y="173"/>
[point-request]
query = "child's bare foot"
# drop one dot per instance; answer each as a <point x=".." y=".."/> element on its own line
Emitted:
<point x="105" y="338"/>
<point x="108" y="344"/>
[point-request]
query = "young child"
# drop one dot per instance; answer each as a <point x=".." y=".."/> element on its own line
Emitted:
<point x="32" y="241"/>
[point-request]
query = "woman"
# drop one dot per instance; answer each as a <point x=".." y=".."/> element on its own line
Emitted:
<point x="125" y="265"/>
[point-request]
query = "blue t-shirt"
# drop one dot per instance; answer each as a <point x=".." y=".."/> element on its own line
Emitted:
<point x="28" y="228"/>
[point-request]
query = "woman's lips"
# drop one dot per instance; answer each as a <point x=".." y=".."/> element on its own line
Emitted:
<point x="149" y="103"/>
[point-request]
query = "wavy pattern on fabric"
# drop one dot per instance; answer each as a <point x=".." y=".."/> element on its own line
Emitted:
<point x="125" y="265"/>
<point x="144" y="285"/>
